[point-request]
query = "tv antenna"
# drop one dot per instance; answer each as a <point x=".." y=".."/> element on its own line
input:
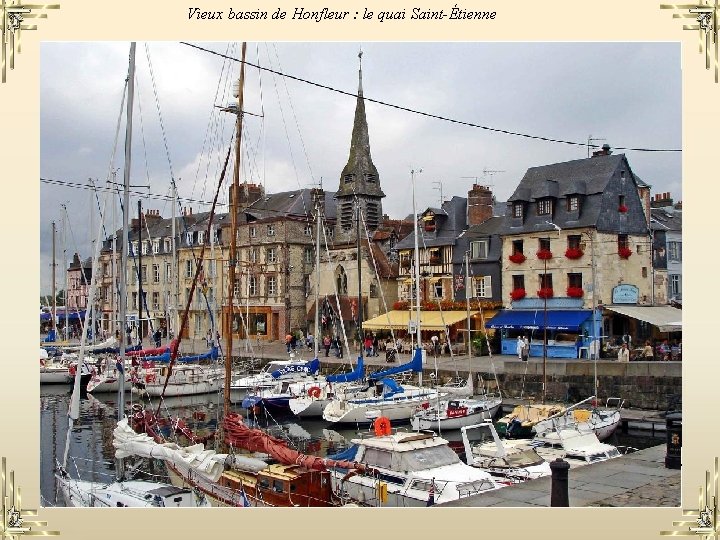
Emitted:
<point x="438" y="186"/>
<point x="589" y="141"/>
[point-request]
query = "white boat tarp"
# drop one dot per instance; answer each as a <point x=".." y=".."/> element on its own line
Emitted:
<point x="206" y="463"/>
<point x="666" y="318"/>
<point x="108" y="343"/>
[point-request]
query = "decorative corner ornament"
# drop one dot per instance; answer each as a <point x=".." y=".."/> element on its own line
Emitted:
<point x="705" y="522"/>
<point x="706" y="13"/>
<point x="12" y="16"/>
<point x="13" y="523"/>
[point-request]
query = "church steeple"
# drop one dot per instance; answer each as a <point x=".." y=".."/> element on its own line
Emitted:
<point x="359" y="178"/>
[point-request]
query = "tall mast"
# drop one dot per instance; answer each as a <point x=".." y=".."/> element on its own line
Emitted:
<point x="467" y="306"/>
<point x="318" y="225"/>
<point x="140" y="274"/>
<point x="173" y="267"/>
<point x="417" y="267"/>
<point x="65" y="273"/>
<point x="232" y="262"/>
<point x="54" y="292"/>
<point x="361" y="338"/>
<point x="125" y="241"/>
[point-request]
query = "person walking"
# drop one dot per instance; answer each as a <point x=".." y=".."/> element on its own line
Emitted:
<point x="435" y="344"/>
<point x="310" y="341"/>
<point x="157" y="336"/>
<point x="326" y="343"/>
<point x="525" y="349"/>
<point x="288" y="341"/>
<point x="519" y="347"/>
<point x="367" y="345"/>
<point x="624" y="353"/>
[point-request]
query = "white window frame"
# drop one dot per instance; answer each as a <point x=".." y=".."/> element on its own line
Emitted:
<point x="156" y="246"/>
<point x="518" y="210"/>
<point x="675" y="284"/>
<point x="168" y="245"/>
<point x="188" y="239"/>
<point x="144" y="247"/>
<point x="438" y="289"/>
<point x="188" y="268"/>
<point x="168" y="273"/>
<point x="271" y="229"/>
<point x="252" y="286"/>
<point x="156" y="300"/>
<point x="253" y="255"/>
<point x="271" y="255"/>
<point x="271" y="284"/>
<point x="674" y="251"/>
<point x="308" y="255"/>
<point x="544" y="207"/>
<point x="156" y="273"/>
<point x="482" y="287"/>
<point x="201" y="237"/>
<point x="479" y="249"/>
<point x="308" y="229"/>
<point x="253" y="231"/>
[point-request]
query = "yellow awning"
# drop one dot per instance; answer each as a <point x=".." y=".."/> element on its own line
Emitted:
<point x="429" y="320"/>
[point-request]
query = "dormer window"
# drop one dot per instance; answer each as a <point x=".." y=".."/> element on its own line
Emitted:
<point x="348" y="178"/>
<point x="544" y="207"/>
<point x="429" y="223"/>
<point x="573" y="203"/>
<point x="308" y="229"/>
<point x="518" y="210"/>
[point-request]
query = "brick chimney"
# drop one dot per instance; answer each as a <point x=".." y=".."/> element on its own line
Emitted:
<point x="248" y="194"/>
<point x="604" y="151"/>
<point x="480" y="204"/>
<point x="661" y="200"/>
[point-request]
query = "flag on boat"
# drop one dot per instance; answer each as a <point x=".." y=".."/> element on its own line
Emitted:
<point x="244" y="500"/>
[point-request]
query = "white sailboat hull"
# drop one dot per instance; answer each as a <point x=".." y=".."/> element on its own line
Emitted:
<point x="183" y="389"/>
<point x="445" y="423"/>
<point x="398" y="408"/>
<point x="50" y="375"/>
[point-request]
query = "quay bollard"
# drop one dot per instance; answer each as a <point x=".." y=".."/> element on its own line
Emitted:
<point x="673" y="426"/>
<point x="559" y="490"/>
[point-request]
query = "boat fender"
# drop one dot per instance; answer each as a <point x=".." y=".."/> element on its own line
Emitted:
<point x="314" y="392"/>
<point x="382" y="426"/>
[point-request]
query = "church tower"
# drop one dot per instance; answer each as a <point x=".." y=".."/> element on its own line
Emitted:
<point x="359" y="179"/>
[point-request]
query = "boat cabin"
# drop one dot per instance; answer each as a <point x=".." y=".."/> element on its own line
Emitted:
<point x="282" y="485"/>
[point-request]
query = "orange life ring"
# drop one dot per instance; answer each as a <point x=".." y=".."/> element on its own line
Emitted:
<point x="382" y="426"/>
<point x="150" y="377"/>
<point x="314" y="392"/>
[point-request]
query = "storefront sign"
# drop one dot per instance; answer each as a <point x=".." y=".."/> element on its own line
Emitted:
<point x="625" y="294"/>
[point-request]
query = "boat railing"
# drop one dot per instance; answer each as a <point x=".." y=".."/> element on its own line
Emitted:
<point x="614" y="403"/>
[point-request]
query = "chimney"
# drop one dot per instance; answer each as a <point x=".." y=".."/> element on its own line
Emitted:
<point x="480" y="204"/>
<point x="152" y="216"/>
<point x="247" y="195"/>
<point x="604" y="151"/>
<point x="661" y="200"/>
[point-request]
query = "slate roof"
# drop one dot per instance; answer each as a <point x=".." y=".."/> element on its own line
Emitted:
<point x="452" y="222"/>
<point x="298" y="203"/>
<point x="666" y="219"/>
<point x="597" y="180"/>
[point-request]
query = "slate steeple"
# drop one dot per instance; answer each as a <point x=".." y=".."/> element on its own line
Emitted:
<point x="359" y="177"/>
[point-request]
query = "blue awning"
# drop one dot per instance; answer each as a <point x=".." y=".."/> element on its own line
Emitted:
<point x="535" y="319"/>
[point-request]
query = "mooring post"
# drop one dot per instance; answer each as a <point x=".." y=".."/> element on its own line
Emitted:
<point x="559" y="490"/>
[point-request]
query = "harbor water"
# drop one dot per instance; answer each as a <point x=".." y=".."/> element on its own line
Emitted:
<point x="91" y="453"/>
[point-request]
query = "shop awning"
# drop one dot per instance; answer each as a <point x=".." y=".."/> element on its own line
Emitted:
<point x="666" y="318"/>
<point x="535" y="319"/>
<point x="429" y="320"/>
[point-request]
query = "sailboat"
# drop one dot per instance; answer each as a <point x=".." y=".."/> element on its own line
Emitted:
<point x="121" y="493"/>
<point x="459" y="408"/>
<point x="385" y="397"/>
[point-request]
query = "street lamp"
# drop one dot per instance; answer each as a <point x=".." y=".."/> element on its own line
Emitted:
<point x="543" y="288"/>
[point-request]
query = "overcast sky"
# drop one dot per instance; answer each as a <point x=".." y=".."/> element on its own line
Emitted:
<point x="626" y="93"/>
